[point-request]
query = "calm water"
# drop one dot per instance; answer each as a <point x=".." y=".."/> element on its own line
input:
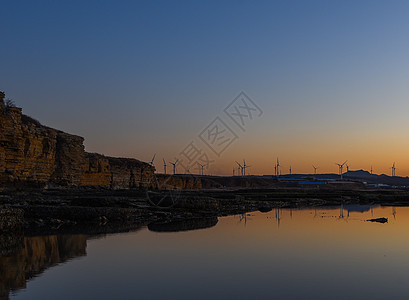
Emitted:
<point x="286" y="254"/>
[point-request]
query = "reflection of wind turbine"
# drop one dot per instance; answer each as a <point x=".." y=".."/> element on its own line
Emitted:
<point x="244" y="217"/>
<point x="174" y="166"/>
<point x="153" y="158"/>
<point x="278" y="217"/>
<point x="164" y="165"/>
<point x="341" y="166"/>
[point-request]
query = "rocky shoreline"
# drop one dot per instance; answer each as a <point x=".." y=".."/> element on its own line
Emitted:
<point x="45" y="210"/>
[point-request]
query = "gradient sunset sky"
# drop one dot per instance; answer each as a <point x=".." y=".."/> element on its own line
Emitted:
<point x="137" y="78"/>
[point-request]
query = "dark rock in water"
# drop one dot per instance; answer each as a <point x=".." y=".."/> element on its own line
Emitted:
<point x="265" y="209"/>
<point x="379" y="220"/>
<point x="183" y="225"/>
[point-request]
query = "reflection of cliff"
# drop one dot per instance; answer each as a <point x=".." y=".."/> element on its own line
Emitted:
<point x="31" y="153"/>
<point x="38" y="254"/>
<point x="184" y="225"/>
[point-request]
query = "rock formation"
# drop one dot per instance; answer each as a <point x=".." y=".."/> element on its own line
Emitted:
<point x="33" y="154"/>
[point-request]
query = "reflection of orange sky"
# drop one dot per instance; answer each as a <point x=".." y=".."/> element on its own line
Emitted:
<point x="310" y="250"/>
<point x="299" y="233"/>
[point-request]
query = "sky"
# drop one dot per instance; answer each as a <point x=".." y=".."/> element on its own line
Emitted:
<point x="135" y="78"/>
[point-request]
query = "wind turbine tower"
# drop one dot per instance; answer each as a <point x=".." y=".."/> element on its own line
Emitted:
<point x="240" y="168"/>
<point x="244" y="167"/>
<point x="315" y="170"/>
<point x="340" y="167"/>
<point x="393" y="169"/>
<point x="174" y="166"/>
<point x="202" y="166"/>
<point x="164" y="166"/>
<point x="277" y="168"/>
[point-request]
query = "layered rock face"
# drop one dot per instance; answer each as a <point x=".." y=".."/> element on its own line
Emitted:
<point x="31" y="153"/>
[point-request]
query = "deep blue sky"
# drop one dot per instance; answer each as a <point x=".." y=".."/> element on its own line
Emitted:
<point x="331" y="76"/>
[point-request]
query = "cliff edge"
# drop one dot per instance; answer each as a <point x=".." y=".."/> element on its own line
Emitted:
<point x="35" y="155"/>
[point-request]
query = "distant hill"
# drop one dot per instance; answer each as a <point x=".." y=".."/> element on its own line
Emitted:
<point x="366" y="176"/>
<point x="363" y="176"/>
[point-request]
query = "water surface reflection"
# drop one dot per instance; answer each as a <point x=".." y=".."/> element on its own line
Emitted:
<point x="312" y="253"/>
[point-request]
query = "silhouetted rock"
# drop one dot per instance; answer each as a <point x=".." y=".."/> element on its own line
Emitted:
<point x="183" y="225"/>
<point x="379" y="220"/>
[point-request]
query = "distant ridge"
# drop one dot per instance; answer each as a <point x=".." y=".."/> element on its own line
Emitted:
<point x="363" y="176"/>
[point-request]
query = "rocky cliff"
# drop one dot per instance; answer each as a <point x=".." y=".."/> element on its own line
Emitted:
<point x="33" y="154"/>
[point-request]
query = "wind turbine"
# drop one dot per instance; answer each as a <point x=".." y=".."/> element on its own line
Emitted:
<point x="174" y="166"/>
<point x="278" y="166"/>
<point x="202" y="166"/>
<point x="341" y="166"/>
<point x="315" y="170"/>
<point x="347" y="168"/>
<point x="290" y="170"/>
<point x="371" y="170"/>
<point x="240" y="168"/>
<point x="153" y="158"/>
<point x="393" y="169"/>
<point x="164" y="165"/>
<point x="244" y="167"/>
